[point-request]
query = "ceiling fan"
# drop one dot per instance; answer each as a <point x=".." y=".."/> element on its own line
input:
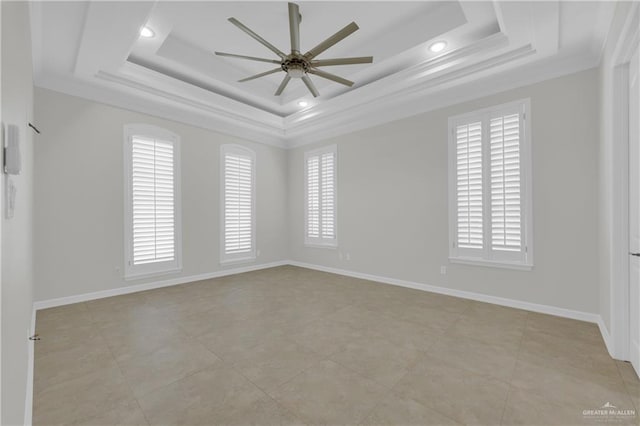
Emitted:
<point x="296" y="64"/>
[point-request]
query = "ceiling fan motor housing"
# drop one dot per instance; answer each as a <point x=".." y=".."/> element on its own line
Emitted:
<point x="296" y="66"/>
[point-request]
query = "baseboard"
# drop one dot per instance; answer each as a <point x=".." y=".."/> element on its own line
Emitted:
<point x="512" y="303"/>
<point x="28" y="400"/>
<point x="51" y="303"/>
<point x="635" y="356"/>
<point x="606" y="336"/>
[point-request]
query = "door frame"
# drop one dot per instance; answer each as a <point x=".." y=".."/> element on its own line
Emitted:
<point x="633" y="99"/>
<point x="628" y="41"/>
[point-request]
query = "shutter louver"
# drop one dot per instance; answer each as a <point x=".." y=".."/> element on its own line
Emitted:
<point x="313" y="197"/>
<point x="238" y="204"/>
<point x="320" y="197"/>
<point x="153" y="201"/>
<point x="506" y="224"/>
<point x="469" y="186"/>
<point x="328" y="202"/>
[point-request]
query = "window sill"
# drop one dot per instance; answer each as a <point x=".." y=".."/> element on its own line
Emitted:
<point x="491" y="263"/>
<point x="238" y="260"/>
<point x="321" y="246"/>
<point x="143" y="275"/>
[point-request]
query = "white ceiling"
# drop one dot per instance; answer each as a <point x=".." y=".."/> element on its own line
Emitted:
<point x="93" y="50"/>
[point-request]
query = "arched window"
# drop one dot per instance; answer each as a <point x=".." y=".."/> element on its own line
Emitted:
<point x="237" y="177"/>
<point x="152" y="208"/>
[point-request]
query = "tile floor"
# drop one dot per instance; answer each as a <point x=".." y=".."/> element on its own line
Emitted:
<point x="293" y="346"/>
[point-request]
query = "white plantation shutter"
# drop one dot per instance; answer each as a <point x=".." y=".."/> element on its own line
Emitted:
<point x="320" y="197"/>
<point x="153" y="201"/>
<point x="313" y="197"/>
<point x="238" y="203"/>
<point x="327" y="207"/>
<point x="490" y="194"/>
<point x="469" y="185"/>
<point x="506" y="224"/>
<point x="152" y="208"/>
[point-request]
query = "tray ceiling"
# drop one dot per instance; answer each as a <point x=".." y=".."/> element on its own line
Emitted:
<point x="94" y="50"/>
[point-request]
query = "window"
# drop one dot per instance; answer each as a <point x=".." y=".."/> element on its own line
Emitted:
<point x="320" y="197"/>
<point x="490" y="187"/>
<point x="152" y="218"/>
<point x="238" y="204"/>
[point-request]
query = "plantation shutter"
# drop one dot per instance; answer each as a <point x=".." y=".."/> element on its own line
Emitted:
<point x="153" y="201"/>
<point x="320" y="184"/>
<point x="506" y="215"/>
<point x="238" y="204"/>
<point x="469" y="200"/>
<point x="313" y="197"/>
<point x="328" y="195"/>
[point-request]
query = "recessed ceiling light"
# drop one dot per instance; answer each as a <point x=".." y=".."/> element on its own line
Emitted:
<point x="303" y="103"/>
<point x="438" y="46"/>
<point x="146" y="32"/>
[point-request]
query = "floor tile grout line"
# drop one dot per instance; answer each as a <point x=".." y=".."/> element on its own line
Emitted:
<point x="397" y="318"/>
<point x="146" y="419"/>
<point x="387" y="389"/>
<point x="115" y="360"/>
<point x="510" y="384"/>
<point x="295" y="413"/>
<point x="626" y="388"/>
<point x="398" y="395"/>
<point x="234" y="368"/>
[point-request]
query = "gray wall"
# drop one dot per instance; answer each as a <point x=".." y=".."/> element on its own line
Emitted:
<point x="80" y="194"/>
<point x="17" y="235"/>
<point x="392" y="211"/>
<point x="392" y="200"/>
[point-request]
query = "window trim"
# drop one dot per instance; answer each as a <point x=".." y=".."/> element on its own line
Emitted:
<point x="457" y="255"/>
<point x="133" y="272"/>
<point x="320" y="242"/>
<point x="238" y="257"/>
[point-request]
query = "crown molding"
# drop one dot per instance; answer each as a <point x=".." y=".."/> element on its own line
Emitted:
<point x="220" y="113"/>
<point x="435" y="96"/>
<point x="160" y="107"/>
<point x="521" y="47"/>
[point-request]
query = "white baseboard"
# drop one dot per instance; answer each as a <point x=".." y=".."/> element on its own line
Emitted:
<point x="51" y="303"/>
<point x="28" y="400"/>
<point x="512" y="303"/>
<point x="635" y="356"/>
<point x="534" y="307"/>
<point x="606" y="336"/>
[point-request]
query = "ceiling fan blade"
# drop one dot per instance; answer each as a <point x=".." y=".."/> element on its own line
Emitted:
<point x="284" y="83"/>
<point x="310" y="86"/>
<point x="342" y="61"/>
<point x="262" y="74"/>
<point x="340" y="35"/>
<point x="259" y="39"/>
<point x="251" y="58"/>
<point x="294" y="27"/>
<point x="331" y="77"/>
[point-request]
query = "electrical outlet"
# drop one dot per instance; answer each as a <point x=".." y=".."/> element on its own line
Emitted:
<point x="443" y="270"/>
<point x="340" y="255"/>
<point x="258" y="253"/>
<point x="348" y="256"/>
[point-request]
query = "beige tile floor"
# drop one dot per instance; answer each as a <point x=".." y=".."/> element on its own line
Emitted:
<point x="293" y="346"/>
